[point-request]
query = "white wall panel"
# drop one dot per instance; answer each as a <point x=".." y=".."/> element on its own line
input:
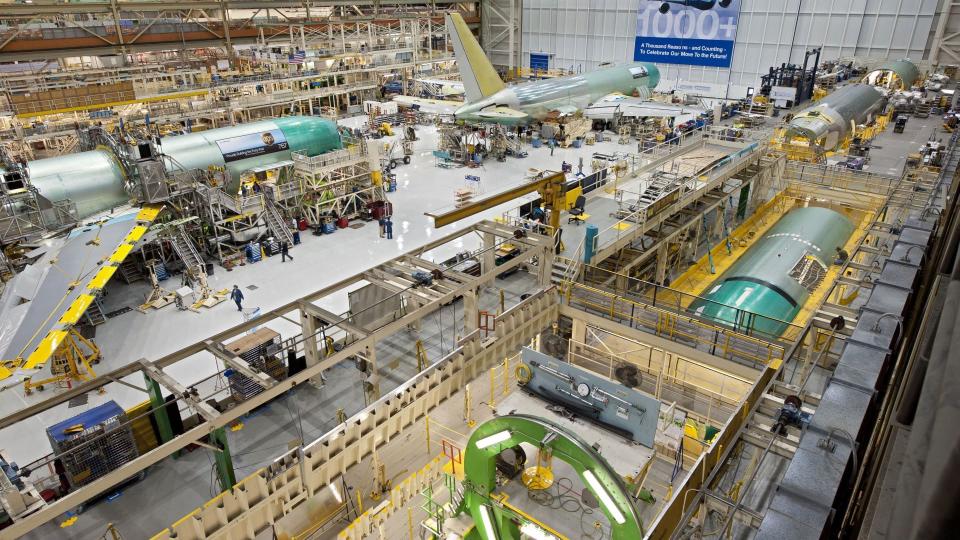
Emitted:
<point x="581" y="34"/>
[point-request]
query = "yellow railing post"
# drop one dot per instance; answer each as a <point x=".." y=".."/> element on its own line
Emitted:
<point x="506" y="375"/>
<point x="426" y="422"/>
<point x="493" y="386"/>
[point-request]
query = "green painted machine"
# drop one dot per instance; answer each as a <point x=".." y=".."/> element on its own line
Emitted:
<point x="764" y="290"/>
<point x="496" y="521"/>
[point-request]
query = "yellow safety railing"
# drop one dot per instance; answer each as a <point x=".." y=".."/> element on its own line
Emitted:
<point x="722" y="341"/>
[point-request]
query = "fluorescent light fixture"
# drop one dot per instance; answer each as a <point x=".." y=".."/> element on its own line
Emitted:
<point x="488" y="532"/>
<point x="491" y="440"/>
<point x="533" y="531"/>
<point x="604" y="497"/>
<point x="336" y="492"/>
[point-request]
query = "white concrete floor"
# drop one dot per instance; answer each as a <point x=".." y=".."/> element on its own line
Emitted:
<point x="318" y="262"/>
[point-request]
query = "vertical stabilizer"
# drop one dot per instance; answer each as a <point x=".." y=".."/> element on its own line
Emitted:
<point x="479" y="78"/>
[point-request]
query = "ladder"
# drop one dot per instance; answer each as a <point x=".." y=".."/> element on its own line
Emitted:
<point x="183" y="247"/>
<point x="275" y="222"/>
<point x="94" y="313"/>
<point x="130" y="272"/>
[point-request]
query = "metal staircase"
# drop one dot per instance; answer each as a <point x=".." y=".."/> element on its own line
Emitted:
<point x="94" y="313"/>
<point x="184" y="248"/>
<point x="275" y="222"/>
<point x="130" y="272"/>
<point x="561" y="270"/>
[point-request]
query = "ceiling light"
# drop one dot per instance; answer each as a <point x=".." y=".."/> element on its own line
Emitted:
<point x="496" y="438"/>
<point x="604" y="497"/>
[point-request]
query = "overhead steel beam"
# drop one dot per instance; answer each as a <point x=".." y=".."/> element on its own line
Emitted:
<point x="47" y="7"/>
<point x="329" y="319"/>
<point x="164" y="379"/>
<point x="199" y="347"/>
<point x="240" y="365"/>
<point x="213" y="420"/>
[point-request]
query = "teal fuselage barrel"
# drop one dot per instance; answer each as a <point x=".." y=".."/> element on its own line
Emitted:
<point x="757" y="293"/>
<point x="95" y="182"/>
<point x="243" y="147"/>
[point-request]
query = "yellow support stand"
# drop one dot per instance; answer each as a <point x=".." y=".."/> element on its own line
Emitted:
<point x="72" y="361"/>
<point x="540" y="476"/>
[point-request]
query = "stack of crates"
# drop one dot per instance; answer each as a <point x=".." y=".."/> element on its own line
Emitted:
<point x="253" y="252"/>
<point x="261" y="351"/>
<point x="113" y="444"/>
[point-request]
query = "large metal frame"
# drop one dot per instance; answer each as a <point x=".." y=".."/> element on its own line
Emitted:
<point x="179" y="25"/>
<point x="480" y="468"/>
<point x="513" y="328"/>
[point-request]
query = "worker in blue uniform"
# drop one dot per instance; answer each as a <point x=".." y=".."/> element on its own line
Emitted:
<point x="237" y="296"/>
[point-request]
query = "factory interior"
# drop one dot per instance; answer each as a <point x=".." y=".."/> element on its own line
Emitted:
<point x="488" y="270"/>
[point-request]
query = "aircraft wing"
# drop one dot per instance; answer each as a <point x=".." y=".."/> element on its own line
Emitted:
<point x="502" y="114"/>
<point x="607" y="107"/>
<point x="432" y="106"/>
<point x="50" y="297"/>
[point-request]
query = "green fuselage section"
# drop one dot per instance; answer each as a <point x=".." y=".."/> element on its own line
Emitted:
<point x="538" y="98"/>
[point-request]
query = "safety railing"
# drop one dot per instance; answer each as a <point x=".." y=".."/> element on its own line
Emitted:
<point x="705" y="390"/>
<point x="675" y="325"/>
<point x="692" y="188"/>
<point x="840" y="178"/>
<point x="679" y="302"/>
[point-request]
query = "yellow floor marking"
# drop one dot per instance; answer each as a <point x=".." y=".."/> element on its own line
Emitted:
<point x="622" y="226"/>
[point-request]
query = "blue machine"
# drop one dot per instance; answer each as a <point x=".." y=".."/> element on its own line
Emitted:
<point x="626" y="411"/>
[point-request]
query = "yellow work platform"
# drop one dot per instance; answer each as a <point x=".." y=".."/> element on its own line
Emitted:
<point x="698" y="278"/>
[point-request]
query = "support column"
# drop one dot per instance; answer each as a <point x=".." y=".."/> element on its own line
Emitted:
<point x="372" y="392"/>
<point x="489" y="259"/>
<point x="160" y="413"/>
<point x="578" y="331"/>
<point x="545" y="275"/>
<point x="470" y="311"/>
<point x="309" y="328"/>
<point x="662" y="255"/>
<point x="224" y="462"/>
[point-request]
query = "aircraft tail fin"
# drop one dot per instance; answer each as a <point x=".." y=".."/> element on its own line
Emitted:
<point x="480" y="80"/>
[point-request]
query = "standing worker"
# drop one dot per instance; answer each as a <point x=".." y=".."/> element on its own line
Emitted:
<point x="285" y="251"/>
<point x="552" y="144"/>
<point x="237" y="296"/>
<point x="388" y="227"/>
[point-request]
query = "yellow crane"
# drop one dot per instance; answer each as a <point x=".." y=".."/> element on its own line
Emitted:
<point x="552" y="187"/>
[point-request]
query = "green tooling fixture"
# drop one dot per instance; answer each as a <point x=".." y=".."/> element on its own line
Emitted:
<point x="493" y="520"/>
<point x="228" y="479"/>
<point x="158" y="404"/>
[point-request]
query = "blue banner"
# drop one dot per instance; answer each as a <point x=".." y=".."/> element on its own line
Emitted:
<point x="691" y="32"/>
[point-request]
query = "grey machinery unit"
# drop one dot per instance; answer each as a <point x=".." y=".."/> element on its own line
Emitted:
<point x="832" y="118"/>
<point x="623" y="410"/>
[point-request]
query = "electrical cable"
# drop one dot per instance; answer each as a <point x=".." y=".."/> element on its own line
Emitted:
<point x="560" y="496"/>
